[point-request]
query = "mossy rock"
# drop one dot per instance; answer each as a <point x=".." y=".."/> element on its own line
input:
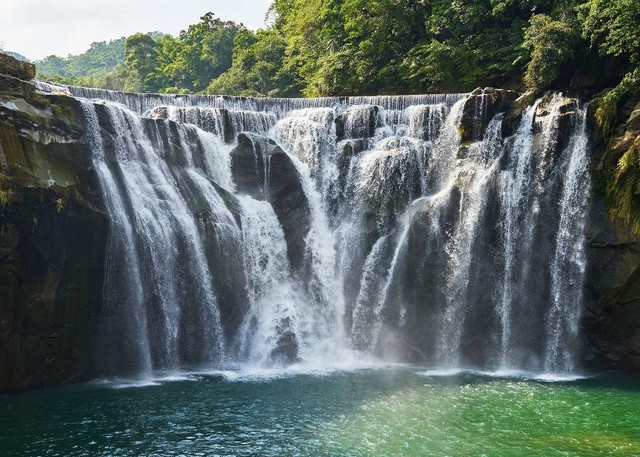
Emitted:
<point x="17" y="68"/>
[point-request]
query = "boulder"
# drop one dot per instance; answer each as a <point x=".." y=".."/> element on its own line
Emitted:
<point x="261" y="169"/>
<point x="357" y="122"/>
<point x="480" y="107"/>
<point x="17" y="68"/>
<point x="286" y="348"/>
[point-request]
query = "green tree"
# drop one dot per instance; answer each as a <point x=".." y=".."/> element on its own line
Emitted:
<point x="202" y="52"/>
<point x="100" y="59"/>
<point x="442" y="66"/>
<point x="550" y="44"/>
<point x="469" y="43"/>
<point x="258" y="68"/>
<point x="314" y="32"/>
<point x="141" y="56"/>
<point x="613" y="26"/>
<point x="378" y="36"/>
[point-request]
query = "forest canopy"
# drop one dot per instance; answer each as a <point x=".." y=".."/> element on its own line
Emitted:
<point x="352" y="47"/>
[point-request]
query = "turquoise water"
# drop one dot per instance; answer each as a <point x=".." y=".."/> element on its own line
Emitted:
<point x="382" y="412"/>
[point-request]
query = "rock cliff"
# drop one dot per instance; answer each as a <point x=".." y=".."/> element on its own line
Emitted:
<point x="52" y="240"/>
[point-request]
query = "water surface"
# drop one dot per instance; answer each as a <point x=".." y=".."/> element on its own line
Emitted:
<point x="393" y="411"/>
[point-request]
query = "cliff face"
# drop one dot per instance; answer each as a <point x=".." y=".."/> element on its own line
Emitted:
<point x="612" y="317"/>
<point x="52" y="240"/>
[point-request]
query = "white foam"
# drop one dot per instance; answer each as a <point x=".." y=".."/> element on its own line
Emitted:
<point x="504" y="374"/>
<point x="137" y="382"/>
<point x="350" y="363"/>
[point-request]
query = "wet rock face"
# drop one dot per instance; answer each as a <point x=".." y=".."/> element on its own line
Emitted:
<point x="249" y="164"/>
<point x="564" y="118"/>
<point x="357" y="122"/>
<point x="18" y="69"/>
<point x="481" y="106"/>
<point x="261" y="169"/>
<point x="611" y="321"/>
<point x="52" y="241"/>
<point x="287" y="347"/>
<point x="514" y="113"/>
<point x="388" y="180"/>
<point x="214" y="120"/>
<point x="554" y="120"/>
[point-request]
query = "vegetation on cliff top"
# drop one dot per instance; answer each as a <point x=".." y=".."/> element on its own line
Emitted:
<point x="339" y="47"/>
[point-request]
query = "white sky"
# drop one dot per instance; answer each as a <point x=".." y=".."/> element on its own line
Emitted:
<point x="39" y="28"/>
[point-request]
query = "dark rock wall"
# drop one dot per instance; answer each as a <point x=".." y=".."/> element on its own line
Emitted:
<point x="264" y="171"/>
<point x="612" y="301"/>
<point x="52" y="241"/>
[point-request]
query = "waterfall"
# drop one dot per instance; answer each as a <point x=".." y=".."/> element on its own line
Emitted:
<point x="121" y="245"/>
<point x="276" y="316"/>
<point x="569" y="262"/>
<point x="414" y="245"/>
<point x="156" y="246"/>
<point x="474" y="174"/>
<point x="517" y="181"/>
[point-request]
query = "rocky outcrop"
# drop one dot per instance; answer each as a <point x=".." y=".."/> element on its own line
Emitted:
<point x="513" y="114"/>
<point x="264" y="171"/>
<point x="553" y="124"/>
<point x="481" y="106"/>
<point x="561" y="118"/>
<point x="628" y="134"/>
<point x="52" y="240"/>
<point x="357" y="122"/>
<point x="11" y="66"/>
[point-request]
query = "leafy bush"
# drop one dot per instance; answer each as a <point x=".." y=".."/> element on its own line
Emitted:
<point x="624" y="190"/>
<point x="550" y="44"/>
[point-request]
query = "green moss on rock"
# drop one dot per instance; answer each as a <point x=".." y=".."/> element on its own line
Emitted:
<point x="17" y="68"/>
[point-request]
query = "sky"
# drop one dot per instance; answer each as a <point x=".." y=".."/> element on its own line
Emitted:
<point x="39" y="28"/>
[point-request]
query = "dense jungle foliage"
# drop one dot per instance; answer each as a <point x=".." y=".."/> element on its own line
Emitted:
<point x="339" y="47"/>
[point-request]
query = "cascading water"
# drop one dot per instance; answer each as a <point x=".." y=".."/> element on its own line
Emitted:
<point x="569" y="262"/>
<point x="156" y="247"/>
<point x="415" y="245"/>
<point x="474" y="173"/>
